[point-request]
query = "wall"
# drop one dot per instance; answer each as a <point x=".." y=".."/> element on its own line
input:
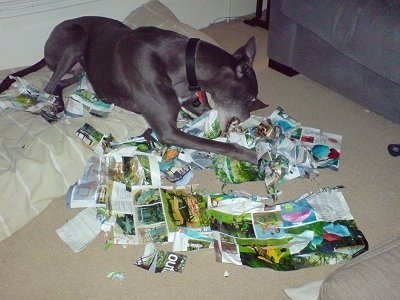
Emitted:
<point x="22" y="37"/>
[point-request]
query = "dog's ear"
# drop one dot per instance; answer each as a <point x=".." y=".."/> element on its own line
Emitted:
<point x="244" y="57"/>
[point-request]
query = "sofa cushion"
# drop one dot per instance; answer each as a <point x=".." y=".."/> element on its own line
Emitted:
<point x="373" y="275"/>
<point x="367" y="31"/>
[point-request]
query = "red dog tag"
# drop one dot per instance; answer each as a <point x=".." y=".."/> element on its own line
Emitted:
<point x="201" y="97"/>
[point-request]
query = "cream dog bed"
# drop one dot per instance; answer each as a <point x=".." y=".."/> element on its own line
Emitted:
<point x="39" y="161"/>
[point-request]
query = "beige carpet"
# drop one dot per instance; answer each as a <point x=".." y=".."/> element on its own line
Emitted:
<point x="36" y="264"/>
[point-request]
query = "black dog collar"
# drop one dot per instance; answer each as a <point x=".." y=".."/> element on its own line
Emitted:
<point x="191" y="65"/>
<point x="191" y="71"/>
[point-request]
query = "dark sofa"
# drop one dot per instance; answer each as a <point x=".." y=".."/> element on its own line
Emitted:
<point x="349" y="46"/>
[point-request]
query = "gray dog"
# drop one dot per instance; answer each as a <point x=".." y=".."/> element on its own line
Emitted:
<point x="144" y="71"/>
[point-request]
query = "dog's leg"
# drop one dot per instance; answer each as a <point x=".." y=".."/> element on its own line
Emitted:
<point x="56" y="85"/>
<point x="174" y="136"/>
<point x="162" y="119"/>
<point x="63" y="53"/>
<point x="64" y="67"/>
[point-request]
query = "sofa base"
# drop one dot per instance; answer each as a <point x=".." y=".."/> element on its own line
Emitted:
<point x="293" y="47"/>
<point x="281" y="68"/>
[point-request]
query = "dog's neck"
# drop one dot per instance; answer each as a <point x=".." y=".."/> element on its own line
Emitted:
<point x="208" y="61"/>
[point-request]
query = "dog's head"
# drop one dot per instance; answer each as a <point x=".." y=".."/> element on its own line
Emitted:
<point x="237" y="86"/>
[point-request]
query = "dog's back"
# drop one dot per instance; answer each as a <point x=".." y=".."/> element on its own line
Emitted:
<point x="104" y="47"/>
<point x="143" y="55"/>
<point x="71" y="37"/>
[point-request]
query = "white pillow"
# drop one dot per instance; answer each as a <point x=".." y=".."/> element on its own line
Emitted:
<point x="154" y="13"/>
<point x="308" y="291"/>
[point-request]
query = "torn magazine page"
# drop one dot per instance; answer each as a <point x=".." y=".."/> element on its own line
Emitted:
<point x="154" y="214"/>
<point x="85" y="98"/>
<point x="81" y="230"/>
<point x="184" y="206"/>
<point x="289" y="236"/>
<point x="90" y="190"/>
<point x="26" y="96"/>
<point x="143" y="220"/>
<point x="119" y="198"/>
<point x="330" y="206"/>
<point x="159" y="261"/>
<point x="87" y="194"/>
<point x="132" y="167"/>
<point x="111" y="177"/>
<point x="188" y="239"/>
<point x="325" y="147"/>
<point x="94" y="140"/>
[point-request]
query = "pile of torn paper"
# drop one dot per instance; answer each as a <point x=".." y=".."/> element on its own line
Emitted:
<point x="313" y="230"/>
<point x="26" y="96"/>
<point x="285" y="149"/>
<point x="137" y="190"/>
<point x="128" y="188"/>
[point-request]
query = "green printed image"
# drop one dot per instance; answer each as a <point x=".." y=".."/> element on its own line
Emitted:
<point x="234" y="171"/>
<point x="237" y="226"/>
<point x="323" y="249"/>
<point x="183" y="208"/>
